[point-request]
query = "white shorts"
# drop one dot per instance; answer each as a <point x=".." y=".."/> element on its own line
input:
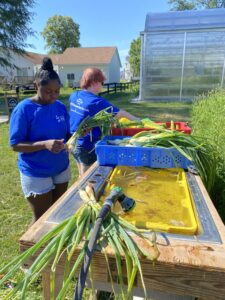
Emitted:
<point x="32" y="186"/>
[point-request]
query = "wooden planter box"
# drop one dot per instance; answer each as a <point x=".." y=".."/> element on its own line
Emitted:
<point x="188" y="267"/>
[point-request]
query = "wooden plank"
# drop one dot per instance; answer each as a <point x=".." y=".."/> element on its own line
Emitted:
<point x="184" y="267"/>
<point x="46" y="283"/>
<point x="164" y="277"/>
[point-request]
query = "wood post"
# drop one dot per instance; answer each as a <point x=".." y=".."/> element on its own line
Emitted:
<point x="46" y="283"/>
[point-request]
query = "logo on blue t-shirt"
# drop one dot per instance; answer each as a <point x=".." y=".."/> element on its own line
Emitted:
<point x="79" y="101"/>
<point x="60" y="118"/>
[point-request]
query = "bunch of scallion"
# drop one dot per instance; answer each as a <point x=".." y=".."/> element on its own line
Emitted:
<point x="73" y="234"/>
<point x="192" y="147"/>
<point x="103" y="119"/>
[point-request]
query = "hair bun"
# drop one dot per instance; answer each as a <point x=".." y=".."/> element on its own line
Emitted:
<point x="47" y="64"/>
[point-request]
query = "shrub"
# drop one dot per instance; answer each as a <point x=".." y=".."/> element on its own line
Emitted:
<point x="208" y="121"/>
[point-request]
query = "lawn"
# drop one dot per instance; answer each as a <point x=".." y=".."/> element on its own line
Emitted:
<point x="155" y="110"/>
<point x="15" y="214"/>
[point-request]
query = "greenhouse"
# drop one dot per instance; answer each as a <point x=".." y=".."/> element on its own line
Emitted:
<point x="182" y="54"/>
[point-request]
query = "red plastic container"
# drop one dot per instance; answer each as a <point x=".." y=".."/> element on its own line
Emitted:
<point x="179" y="126"/>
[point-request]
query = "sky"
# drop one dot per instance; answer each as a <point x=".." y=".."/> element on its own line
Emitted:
<point x="102" y="23"/>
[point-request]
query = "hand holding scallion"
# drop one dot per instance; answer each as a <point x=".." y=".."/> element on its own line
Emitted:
<point x="55" y="146"/>
<point x="103" y="119"/>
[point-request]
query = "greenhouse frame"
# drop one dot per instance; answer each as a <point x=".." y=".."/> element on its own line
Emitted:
<point x="182" y="54"/>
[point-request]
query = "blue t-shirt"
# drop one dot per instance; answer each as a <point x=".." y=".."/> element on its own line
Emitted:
<point x="32" y="122"/>
<point x="82" y="104"/>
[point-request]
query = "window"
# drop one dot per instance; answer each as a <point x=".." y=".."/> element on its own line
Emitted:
<point x="22" y="72"/>
<point x="70" y="76"/>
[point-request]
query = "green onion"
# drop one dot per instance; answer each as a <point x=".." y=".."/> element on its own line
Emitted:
<point x="65" y="238"/>
<point x="103" y="119"/>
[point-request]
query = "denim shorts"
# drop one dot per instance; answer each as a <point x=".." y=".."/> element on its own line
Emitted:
<point x="32" y="186"/>
<point x="84" y="156"/>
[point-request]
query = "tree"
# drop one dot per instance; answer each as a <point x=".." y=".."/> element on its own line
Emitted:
<point x="14" y="28"/>
<point x="195" y="4"/>
<point x="60" y="33"/>
<point x="134" y="56"/>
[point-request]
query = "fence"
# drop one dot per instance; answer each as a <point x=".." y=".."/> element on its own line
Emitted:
<point x="21" y="82"/>
<point x="114" y="87"/>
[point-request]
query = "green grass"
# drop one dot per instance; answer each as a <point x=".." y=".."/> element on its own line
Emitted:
<point x="155" y="110"/>
<point x="208" y="117"/>
<point x="15" y="214"/>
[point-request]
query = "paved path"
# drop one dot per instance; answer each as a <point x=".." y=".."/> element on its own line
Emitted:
<point x="3" y="119"/>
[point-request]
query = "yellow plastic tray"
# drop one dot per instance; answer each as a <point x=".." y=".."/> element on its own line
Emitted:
<point x="163" y="201"/>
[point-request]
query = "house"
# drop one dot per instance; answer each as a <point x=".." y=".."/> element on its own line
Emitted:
<point x="24" y="70"/>
<point x="69" y="65"/>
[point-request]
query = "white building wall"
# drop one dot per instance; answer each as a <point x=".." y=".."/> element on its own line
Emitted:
<point x="63" y="70"/>
<point x="114" y="69"/>
<point x="21" y="63"/>
<point x="69" y="69"/>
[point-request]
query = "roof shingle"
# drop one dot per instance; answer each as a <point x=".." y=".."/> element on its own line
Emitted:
<point x="36" y="58"/>
<point x="80" y="56"/>
<point x="77" y="56"/>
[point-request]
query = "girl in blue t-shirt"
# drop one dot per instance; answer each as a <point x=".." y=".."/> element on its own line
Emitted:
<point x="39" y="128"/>
<point x="85" y="103"/>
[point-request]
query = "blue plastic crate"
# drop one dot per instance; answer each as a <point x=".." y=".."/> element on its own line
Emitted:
<point x="112" y="155"/>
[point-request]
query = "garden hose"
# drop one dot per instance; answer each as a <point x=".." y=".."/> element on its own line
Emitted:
<point x="115" y="194"/>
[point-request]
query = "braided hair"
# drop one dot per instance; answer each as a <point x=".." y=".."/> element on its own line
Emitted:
<point x="46" y="73"/>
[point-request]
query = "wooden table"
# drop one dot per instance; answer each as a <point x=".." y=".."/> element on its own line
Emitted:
<point x="185" y="267"/>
